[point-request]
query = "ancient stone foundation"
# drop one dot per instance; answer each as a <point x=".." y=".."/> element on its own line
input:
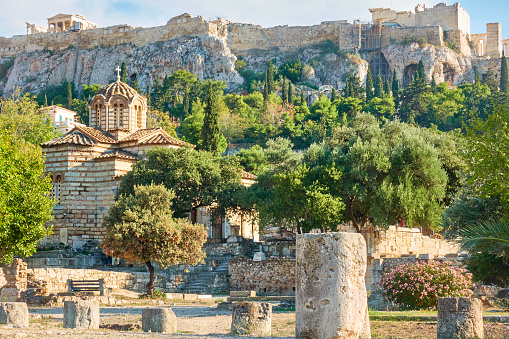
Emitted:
<point x="14" y="314"/>
<point x="252" y="318"/>
<point x="158" y="320"/>
<point x="459" y="318"/>
<point x="81" y="314"/>
<point x="331" y="299"/>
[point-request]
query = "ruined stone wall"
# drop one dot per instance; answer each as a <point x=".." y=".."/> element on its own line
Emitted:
<point x="451" y="18"/>
<point x="433" y="35"/>
<point x="271" y="276"/>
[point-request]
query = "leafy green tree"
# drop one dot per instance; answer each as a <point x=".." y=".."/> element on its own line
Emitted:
<point x="382" y="108"/>
<point x="192" y="125"/>
<point x="353" y="88"/>
<point x="22" y="118"/>
<point x="369" y="85"/>
<point x="271" y="86"/>
<point x="123" y="72"/>
<point x="158" y="119"/>
<point x="186" y="101"/>
<point x="503" y="74"/>
<point x="136" y="86"/>
<point x="210" y="135"/>
<point x="89" y="91"/>
<point x="148" y="94"/>
<point x="196" y="177"/>
<point x="25" y="204"/>
<point x="421" y="72"/>
<point x="141" y="228"/>
<point x="81" y="109"/>
<point x="291" y="70"/>
<point x="489" y="268"/>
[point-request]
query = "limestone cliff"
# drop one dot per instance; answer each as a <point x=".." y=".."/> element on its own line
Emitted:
<point x="207" y="57"/>
<point x="211" y="58"/>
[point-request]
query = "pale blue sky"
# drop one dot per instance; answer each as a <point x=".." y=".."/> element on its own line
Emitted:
<point x="267" y="13"/>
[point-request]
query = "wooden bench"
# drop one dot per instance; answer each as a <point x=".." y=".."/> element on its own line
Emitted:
<point x="86" y="286"/>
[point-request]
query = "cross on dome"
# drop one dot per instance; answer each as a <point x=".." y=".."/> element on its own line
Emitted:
<point x="118" y="73"/>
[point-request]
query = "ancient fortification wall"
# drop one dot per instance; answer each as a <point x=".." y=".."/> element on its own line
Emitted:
<point x="238" y="36"/>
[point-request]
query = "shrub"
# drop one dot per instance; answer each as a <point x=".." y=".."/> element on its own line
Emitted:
<point x="489" y="269"/>
<point x="419" y="285"/>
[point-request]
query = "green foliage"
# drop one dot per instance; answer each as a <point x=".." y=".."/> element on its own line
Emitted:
<point x="81" y="109"/>
<point x="123" y="72"/>
<point x="489" y="269"/>
<point x="25" y="204"/>
<point x="419" y="285"/>
<point x="381" y="108"/>
<point x="21" y="118"/>
<point x="141" y="228"/>
<point x="196" y="177"/>
<point x="489" y="237"/>
<point x="292" y="70"/>
<point x="56" y="94"/>
<point x="504" y="86"/>
<point x="5" y="67"/>
<point x="69" y="96"/>
<point x="210" y="136"/>
<point x="89" y="91"/>
<point x="369" y="86"/>
<point x="379" y="90"/>
<point x="157" y="119"/>
<point x="193" y="123"/>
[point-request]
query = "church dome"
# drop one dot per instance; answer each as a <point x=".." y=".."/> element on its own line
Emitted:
<point x="118" y="88"/>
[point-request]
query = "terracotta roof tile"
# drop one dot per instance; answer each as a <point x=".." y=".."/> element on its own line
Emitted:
<point x="119" y="88"/>
<point x="154" y="136"/>
<point x="74" y="138"/>
<point x="247" y="175"/>
<point x="118" y="154"/>
<point x="139" y="134"/>
<point x="97" y="134"/>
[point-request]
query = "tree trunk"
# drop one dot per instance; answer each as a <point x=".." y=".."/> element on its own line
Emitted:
<point x="150" y="284"/>
<point x="352" y="217"/>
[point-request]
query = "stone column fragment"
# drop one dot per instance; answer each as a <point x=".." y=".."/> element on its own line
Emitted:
<point x="81" y="314"/>
<point x="252" y="318"/>
<point x="14" y="313"/>
<point x="158" y="320"/>
<point x="331" y="298"/>
<point x="459" y="318"/>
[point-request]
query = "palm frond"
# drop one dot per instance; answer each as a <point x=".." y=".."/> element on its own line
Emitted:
<point x="486" y="236"/>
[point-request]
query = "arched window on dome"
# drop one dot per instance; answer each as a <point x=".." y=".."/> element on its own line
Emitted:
<point x="99" y="115"/>
<point x="120" y="115"/>
<point x="115" y="115"/>
<point x="138" y="115"/>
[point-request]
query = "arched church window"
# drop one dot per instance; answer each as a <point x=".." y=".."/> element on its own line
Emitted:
<point x="138" y="115"/>
<point x="120" y="115"/>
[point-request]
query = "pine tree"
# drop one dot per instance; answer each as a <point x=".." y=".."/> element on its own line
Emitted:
<point x="166" y="83"/>
<point x="379" y="90"/>
<point x="387" y="88"/>
<point x="270" y="79"/>
<point x="284" y="94"/>
<point x="186" y="101"/>
<point x="503" y="74"/>
<point x="123" y="72"/>
<point x="369" y="85"/>
<point x="477" y="78"/>
<point x="395" y="88"/>
<point x="210" y="131"/>
<point x="291" y="97"/>
<point x="302" y="98"/>
<point x="333" y="95"/>
<point x="135" y="86"/>
<point x="147" y="94"/>
<point x="69" y="95"/>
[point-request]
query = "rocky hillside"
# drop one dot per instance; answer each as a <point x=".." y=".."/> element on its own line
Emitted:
<point x="210" y="58"/>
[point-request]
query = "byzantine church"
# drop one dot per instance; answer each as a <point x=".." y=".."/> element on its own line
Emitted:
<point x="88" y="162"/>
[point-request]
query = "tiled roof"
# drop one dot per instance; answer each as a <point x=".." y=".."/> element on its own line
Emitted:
<point x="119" y="88"/>
<point x="75" y="138"/>
<point x="154" y="136"/>
<point x="247" y="175"/>
<point x="118" y="154"/>
<point x="139" y="134"/>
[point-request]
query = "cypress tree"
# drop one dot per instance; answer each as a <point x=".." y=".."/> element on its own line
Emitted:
<point x="135" y="86"/>
<point x="379" y="91"/>
<point x="369" y="85"/>
<point x="333" y="95"/>
<point x="477" y="78"/>
<point x="147" y="94"/>
<point x="210" y="130"/>
<point x="123" y="72"/>
<point x="395" y="88"/>
<point x="291" y="97"/>
<point x="433" y="82"/>
<point x="387" y="88"/>
<point x="45" y="101"/>
<point x="503" y="74"/>
<point x="186" y="101"/>
<point x="69" y="95"/>
<point x="270" y="79"/>
<point x="266" y="87"/>
<point x="302" y="98"/>
<point x="421" y="72"/>
<point x="166" y="83"/>
<point x="284" y="94"/>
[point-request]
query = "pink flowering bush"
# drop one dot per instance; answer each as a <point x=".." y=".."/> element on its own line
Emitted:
<point x="419" y="285"/>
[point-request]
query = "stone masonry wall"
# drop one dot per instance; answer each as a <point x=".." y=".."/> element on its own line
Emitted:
<point x="271" y="276"/>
